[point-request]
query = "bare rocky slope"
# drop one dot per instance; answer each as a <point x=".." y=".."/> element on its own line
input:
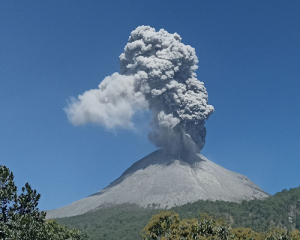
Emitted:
<point x="163" y="181"/>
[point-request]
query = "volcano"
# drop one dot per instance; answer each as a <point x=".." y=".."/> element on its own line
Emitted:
<point x="161" y="180"/>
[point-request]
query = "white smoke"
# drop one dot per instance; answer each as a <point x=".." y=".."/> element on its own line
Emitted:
<point x="158" y="73"/>
<point x="112" y="105"/>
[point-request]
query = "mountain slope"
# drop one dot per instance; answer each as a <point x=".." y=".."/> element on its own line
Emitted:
<point x="163" y="181"/>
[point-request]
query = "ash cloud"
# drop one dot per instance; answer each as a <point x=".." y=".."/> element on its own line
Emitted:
<point x="157" y="73"/>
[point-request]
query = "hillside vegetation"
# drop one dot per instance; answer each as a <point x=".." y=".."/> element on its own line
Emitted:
<point x="126" y="221"/>
<point x="281" y="210"/>
<point x="114" y="223"/>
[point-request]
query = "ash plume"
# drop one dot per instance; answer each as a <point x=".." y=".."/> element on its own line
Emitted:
<point x="157" y="73"/>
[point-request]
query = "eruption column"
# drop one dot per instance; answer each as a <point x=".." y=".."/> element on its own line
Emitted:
<point x="158" y="73"/>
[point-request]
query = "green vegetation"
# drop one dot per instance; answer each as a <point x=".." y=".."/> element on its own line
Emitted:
<point x="281" y="210"/>
<point x="126" y="221"/>
<point x="119" y="222"/>
<point x="168" y="226"/>
<point x="20" y="219"/>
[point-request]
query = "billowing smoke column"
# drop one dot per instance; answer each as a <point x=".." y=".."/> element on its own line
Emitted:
<point x="157" y="73"/>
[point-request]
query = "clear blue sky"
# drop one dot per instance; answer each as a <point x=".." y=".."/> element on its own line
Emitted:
<point x="249" y="58"/>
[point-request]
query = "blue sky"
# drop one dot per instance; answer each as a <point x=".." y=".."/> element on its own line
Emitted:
<point x="249" y="56"/>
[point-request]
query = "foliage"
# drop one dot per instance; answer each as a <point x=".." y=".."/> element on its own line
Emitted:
<point x="21" y="219"/>
<point x="281" y="210"/>
<point x="168" y="226"/>
<point x="111" y="223"/>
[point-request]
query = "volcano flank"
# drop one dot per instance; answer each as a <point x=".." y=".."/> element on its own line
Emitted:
<point x="161" y="180"/>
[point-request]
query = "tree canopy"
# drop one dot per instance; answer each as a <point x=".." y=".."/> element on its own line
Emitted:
<point x="168" y="226"/>
<point x="21" y="219"/>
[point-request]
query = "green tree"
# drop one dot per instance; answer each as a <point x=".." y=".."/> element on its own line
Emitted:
<point x="168" y="226"/>
<point x="20" y="219"/>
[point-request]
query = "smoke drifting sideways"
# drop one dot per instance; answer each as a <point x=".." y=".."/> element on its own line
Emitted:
<point x="158" y="74"/>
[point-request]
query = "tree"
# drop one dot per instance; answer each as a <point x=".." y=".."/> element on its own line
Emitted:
<point x="21" y="219"/>
<point x="168" y="226"/>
